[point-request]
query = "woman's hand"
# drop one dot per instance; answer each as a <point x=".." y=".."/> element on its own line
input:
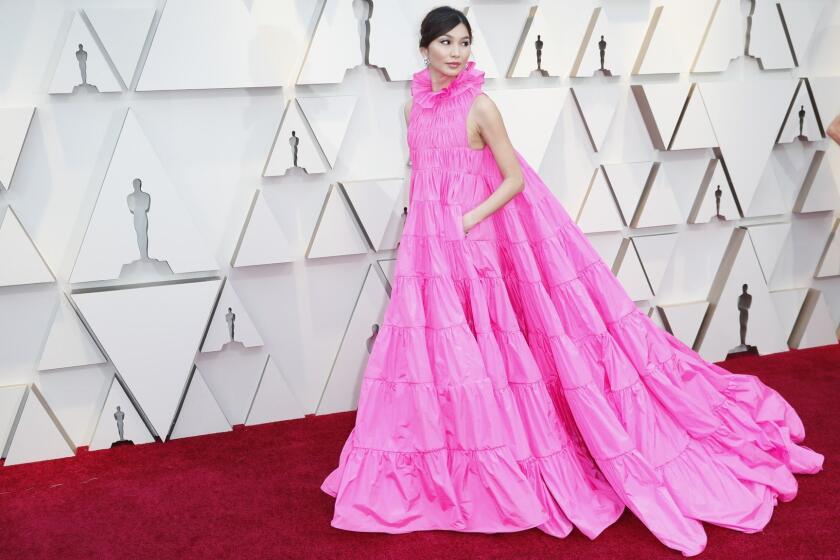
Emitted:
<point x="468" y="221"/>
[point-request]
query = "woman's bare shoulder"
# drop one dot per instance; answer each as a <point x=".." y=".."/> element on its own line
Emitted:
<point x="484" y="106"/>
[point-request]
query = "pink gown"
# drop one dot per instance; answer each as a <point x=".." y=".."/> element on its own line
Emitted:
<point x="514" y="383"/>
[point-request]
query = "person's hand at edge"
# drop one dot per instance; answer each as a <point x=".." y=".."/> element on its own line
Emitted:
<point x="834" y="129"/>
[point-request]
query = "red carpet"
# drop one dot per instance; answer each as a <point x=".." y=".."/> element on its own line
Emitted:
<point x="254" y="493"/>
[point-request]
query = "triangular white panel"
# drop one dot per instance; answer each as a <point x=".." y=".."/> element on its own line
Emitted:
<point x="598" y="104"/>
<point x="388" y="266"/>
<point x="746" y="117"/>
<point x="200" y="414"/>
<point x="10" y="399"/>
<point x="22" y="263"/>
<point x="480" y="47"/>
<point x="824" y="191"/>
<point x="801" y="19"/>
<point x="81" y="53"/>
<point x="802" y="113"/>
<point x="661" y="106"/>
<point x="530" y="116"/>
<point x="662" y="61"/>
<point x="69" y="343"/>
<point x="724" y="39"/>
<point x="151" y="334"/>
<point x="632" y="275"/>
<point x="390" y="238"/>
<point x="694" y="130"/>
<point x="76" y="397"/>
<point x="337" y="232"/>
<point x="14" y="124"/>
<point x="599" y="212"/>
<point x="391" y="23"/>
<point x="788" y="306"/>
<point x="687" y="173"/>
<point x="107" y="430"/>
<point x="826" y="92"/>
<point x="800" y="257"/>
<point x="335" y="45"/>
<point x="123" y="31"/>
<point x="654" y="316"/>
<point x="112" y="239"/>
<point x="38" y="436"/>
<point x="607" y="245"/>
<point x="623" y="35"/>
<point x="770" y="198"/>
<point x="685" y="320"/>
<point x="660" y="205"/>
<point x="375" y="202"/>
<point x="628" y="183"/>
<point x="294" y="132"/>
<point x="262" y="241"/>
<point x="206" y="44"/>
<point x="344" y="384"/>
<point x="768" y="241"/>
<point x="274" y="400"/>
<point x="723" y="333"/>
<point x="830" y="264"/>
<point x="708" y="206"/>
<point x="561" y="27"/>
<point x="230" y="315"/>
<point x="655" y="252"/>
<point x="820" y="329"/>
<point x="329" y="117"/>
<point x="677" y="35"/>
<point x="233" y="378"/>
<point x="690" y="278"/>
<point x="767" y="39"/>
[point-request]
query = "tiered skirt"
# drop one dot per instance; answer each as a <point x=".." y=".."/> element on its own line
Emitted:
<point x="514" y="384"/>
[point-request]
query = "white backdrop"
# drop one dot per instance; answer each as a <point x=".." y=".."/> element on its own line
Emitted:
<point x="200" y="97"/>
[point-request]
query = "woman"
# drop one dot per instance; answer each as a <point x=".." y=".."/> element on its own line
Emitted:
<point x="514" y="384"/>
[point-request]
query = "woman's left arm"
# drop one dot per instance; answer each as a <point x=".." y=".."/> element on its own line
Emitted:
<point x="493" y="132"/>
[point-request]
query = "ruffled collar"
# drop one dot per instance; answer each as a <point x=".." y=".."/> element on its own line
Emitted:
<point x="421" y="85"/>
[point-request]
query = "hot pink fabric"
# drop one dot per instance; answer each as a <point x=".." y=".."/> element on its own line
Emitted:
<point x="514" y="384"/>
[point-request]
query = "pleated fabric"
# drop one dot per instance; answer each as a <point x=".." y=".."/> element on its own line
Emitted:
<point x="514" y="383"/>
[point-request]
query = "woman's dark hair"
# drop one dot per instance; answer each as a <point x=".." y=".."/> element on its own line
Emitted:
<point x="440" y="21"/>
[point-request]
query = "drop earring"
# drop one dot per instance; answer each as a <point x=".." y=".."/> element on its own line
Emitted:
<point x="425" y="61"/>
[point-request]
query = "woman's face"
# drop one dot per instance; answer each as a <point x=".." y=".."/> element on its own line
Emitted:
<point x="448" y="54"/>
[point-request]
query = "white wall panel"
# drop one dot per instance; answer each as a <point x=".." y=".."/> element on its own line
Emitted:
<point x="69" y="343"/>
<point x="203" y="44"/>
<point x="107" y="430"/>
<point x="213" y="81"/>
<point x="200" y="413"/>
<point x="123" y="32"/>
<point x="37" y="436"/>
<point x="83" y="66"/>
<point x="151" y="334"/>
<point x="14" y="124"/>
<point x="112" y="245"/>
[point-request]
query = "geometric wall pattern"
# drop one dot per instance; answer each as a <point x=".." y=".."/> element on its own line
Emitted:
<point x="201" y="200"/>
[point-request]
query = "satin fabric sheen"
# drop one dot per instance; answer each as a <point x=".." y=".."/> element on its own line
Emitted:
<point x="514" y="383"/>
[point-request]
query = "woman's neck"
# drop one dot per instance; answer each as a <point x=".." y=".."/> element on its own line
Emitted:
<point x="437" y="77"/>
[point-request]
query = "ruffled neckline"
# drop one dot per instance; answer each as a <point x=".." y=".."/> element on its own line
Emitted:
<point x="421" y="85"/>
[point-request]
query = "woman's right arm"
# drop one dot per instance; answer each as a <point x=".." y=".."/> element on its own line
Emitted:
<point x="834" y="129"/>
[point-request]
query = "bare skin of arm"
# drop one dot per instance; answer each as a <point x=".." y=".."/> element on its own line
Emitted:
<point x="834" y="129"/>
<point x="484" y="123"/>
